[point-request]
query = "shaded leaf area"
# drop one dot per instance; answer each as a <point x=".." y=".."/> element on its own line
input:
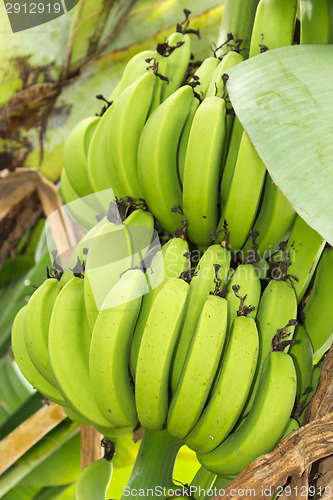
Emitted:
<point x="294" y="457"/>
<point x="14" y="390"/>
<point x="286" y="109"/>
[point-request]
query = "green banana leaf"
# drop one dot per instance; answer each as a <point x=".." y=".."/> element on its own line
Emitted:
<point x="60" y="468"/>
<point x="49" y="444"/>
<point x="17" y="293"/>
<point x="284" y="100"/>
<point x="21" y="493"/>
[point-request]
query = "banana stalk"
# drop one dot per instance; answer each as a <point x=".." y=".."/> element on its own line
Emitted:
<point x="153" y="468"/>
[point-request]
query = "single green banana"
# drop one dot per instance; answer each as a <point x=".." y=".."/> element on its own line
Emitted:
<point x="100" y="175"/>
<point x="314" y="21"/>
<point x="199" y="368"/>
<point x="230" y="389"/>
<point x="157" y="157"/>
<point x="83" y="211"/>
<point x="14" y="389"/>
<point x="156" y="351"/>
<point x="110" y="346"/>
<point x="237" y="21"/>
<point x="211" y="274"/>
<point x="273" y="223"/>
<point x="75" y="154"/>
<point x="167" y="264"/>
<point x="200" y="81"/>
<point x="318" y="312"/>
<point x="244" y="194"/>
<point x="25" y="364"/>
<point x="202" y="170"/>
<point x="202" y="482"/>
<point x="140" y="227"/>
<point x="217" y="87"/>
<point x="67" y="191"/>
<point x="244" y="292"/>
<point x="302" y="353"/>
<point x="37" y="324"/>
<point x="292" y="425"/>
<point x="93" y="482"/>
<point x="69" y="344"/>
<point x="231" y="158"/>
<point x="300" y="256"/>
<point x="265" y="424"/>
<point x="274" y="25"/>
<point x="136" y="67"/>
<point x="126" y="122"/>
<point x="110" y="254"/>
<point x="277" y="309"/>
<point x="178" y="59"/>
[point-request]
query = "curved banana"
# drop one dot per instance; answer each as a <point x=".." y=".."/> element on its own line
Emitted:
<point x="277" y="309"/>
<point x="25" y="364"/>
<point x="110" y="254"/>
<point x="109" y="350"/>
<point x="94" y="480"/>
<point x="273" y="223"/>
<point x="217" y="84"/>
<point x="218" y="88"/>
<point x="241" y="205"/>
<point x="244" y="290"/>
<point x="130" y="111"/>
<point x="37" y="322"/>
<point x="140" y="227"/>
<point x="199" y="368"/>
<point x="300" y="256"/>
<point x="265" y="424"/>
<point x="211" y="274"/>
<point x="157" y="157"/>
<point x="168" y="263"/>
<point x="202" y="169"/>
<point x="178" y="59"/>
<point x="200" y="81"/>
<point x="136" y="67"/>
<point x="156" y="351"/>
<point x="69" y="344"/>
<point x="318" y="313"/>
<point x="314" y="22"/>
<point x="292" y="425"/>
<point x="75" y="154"/>
<point x="274" y="25"/>
<point x="231" y="158"/>
<point x="202" y="482"/>
<point x="100" y="175"/>
<point x="302" y="353"/>
<point x="230" y="389"/>
<point x="67" y="191"/>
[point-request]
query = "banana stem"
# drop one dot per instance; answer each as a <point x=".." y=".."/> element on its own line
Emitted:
<point x="152" y="472"/>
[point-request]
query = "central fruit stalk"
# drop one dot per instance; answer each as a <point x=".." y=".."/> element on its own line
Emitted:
<point x="152" y="472"/>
